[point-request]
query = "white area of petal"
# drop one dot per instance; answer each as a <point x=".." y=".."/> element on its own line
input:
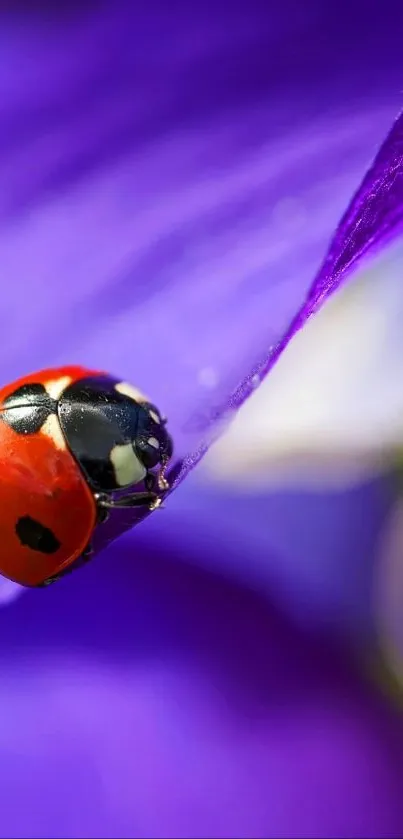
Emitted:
<point x="331" y="410"/>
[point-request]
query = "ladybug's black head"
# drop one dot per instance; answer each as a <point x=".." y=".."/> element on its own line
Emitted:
<point x="153" y="444"/>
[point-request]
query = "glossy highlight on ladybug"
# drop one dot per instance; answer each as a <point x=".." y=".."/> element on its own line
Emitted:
<point x="75" y="445"/>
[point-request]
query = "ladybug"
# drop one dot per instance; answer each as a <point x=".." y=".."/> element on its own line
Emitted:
<point x="75" y="445"/>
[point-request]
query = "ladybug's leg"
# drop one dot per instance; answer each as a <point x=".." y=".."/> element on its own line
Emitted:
<point x="151" y="499"/>
<point x="47" y="582"/>
<point x="160" y="480"/>
<point x="135" y="499"/>
<point x="78" y="563"/>
<point x="150" y="481"/>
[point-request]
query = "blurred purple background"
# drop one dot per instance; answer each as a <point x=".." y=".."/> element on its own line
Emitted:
<point x="171" y="176"/>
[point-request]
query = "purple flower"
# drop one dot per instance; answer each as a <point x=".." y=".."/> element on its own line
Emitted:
<point x="170" y="178"/>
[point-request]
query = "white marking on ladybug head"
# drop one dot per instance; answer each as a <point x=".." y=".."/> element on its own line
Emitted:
<point x="128" y="468"/>
<point x="56" y="387"/>
<point x="153" y="442"/>
<point x="155" y="417"/>
<point x="132" y="392"/>
<point x="51" y="428"/>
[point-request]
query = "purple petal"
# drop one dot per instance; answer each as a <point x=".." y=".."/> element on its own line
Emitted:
<point x="314" y="552"/>
<point x="372" y="219"/>
<point x="169" y="703"/>
<point x="130" y="207"/>
<point x="157" y="201"/>
<point x="139" y="164"/>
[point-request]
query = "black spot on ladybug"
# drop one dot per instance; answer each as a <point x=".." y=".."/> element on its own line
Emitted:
<point x="27" y="408"/>
<point x="32" y="534"/>
<point x="32" y="394"/>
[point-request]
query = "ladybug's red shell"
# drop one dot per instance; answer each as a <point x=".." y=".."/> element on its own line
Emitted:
<point x="47" y="509"/>
<point x="75" y="444"/>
